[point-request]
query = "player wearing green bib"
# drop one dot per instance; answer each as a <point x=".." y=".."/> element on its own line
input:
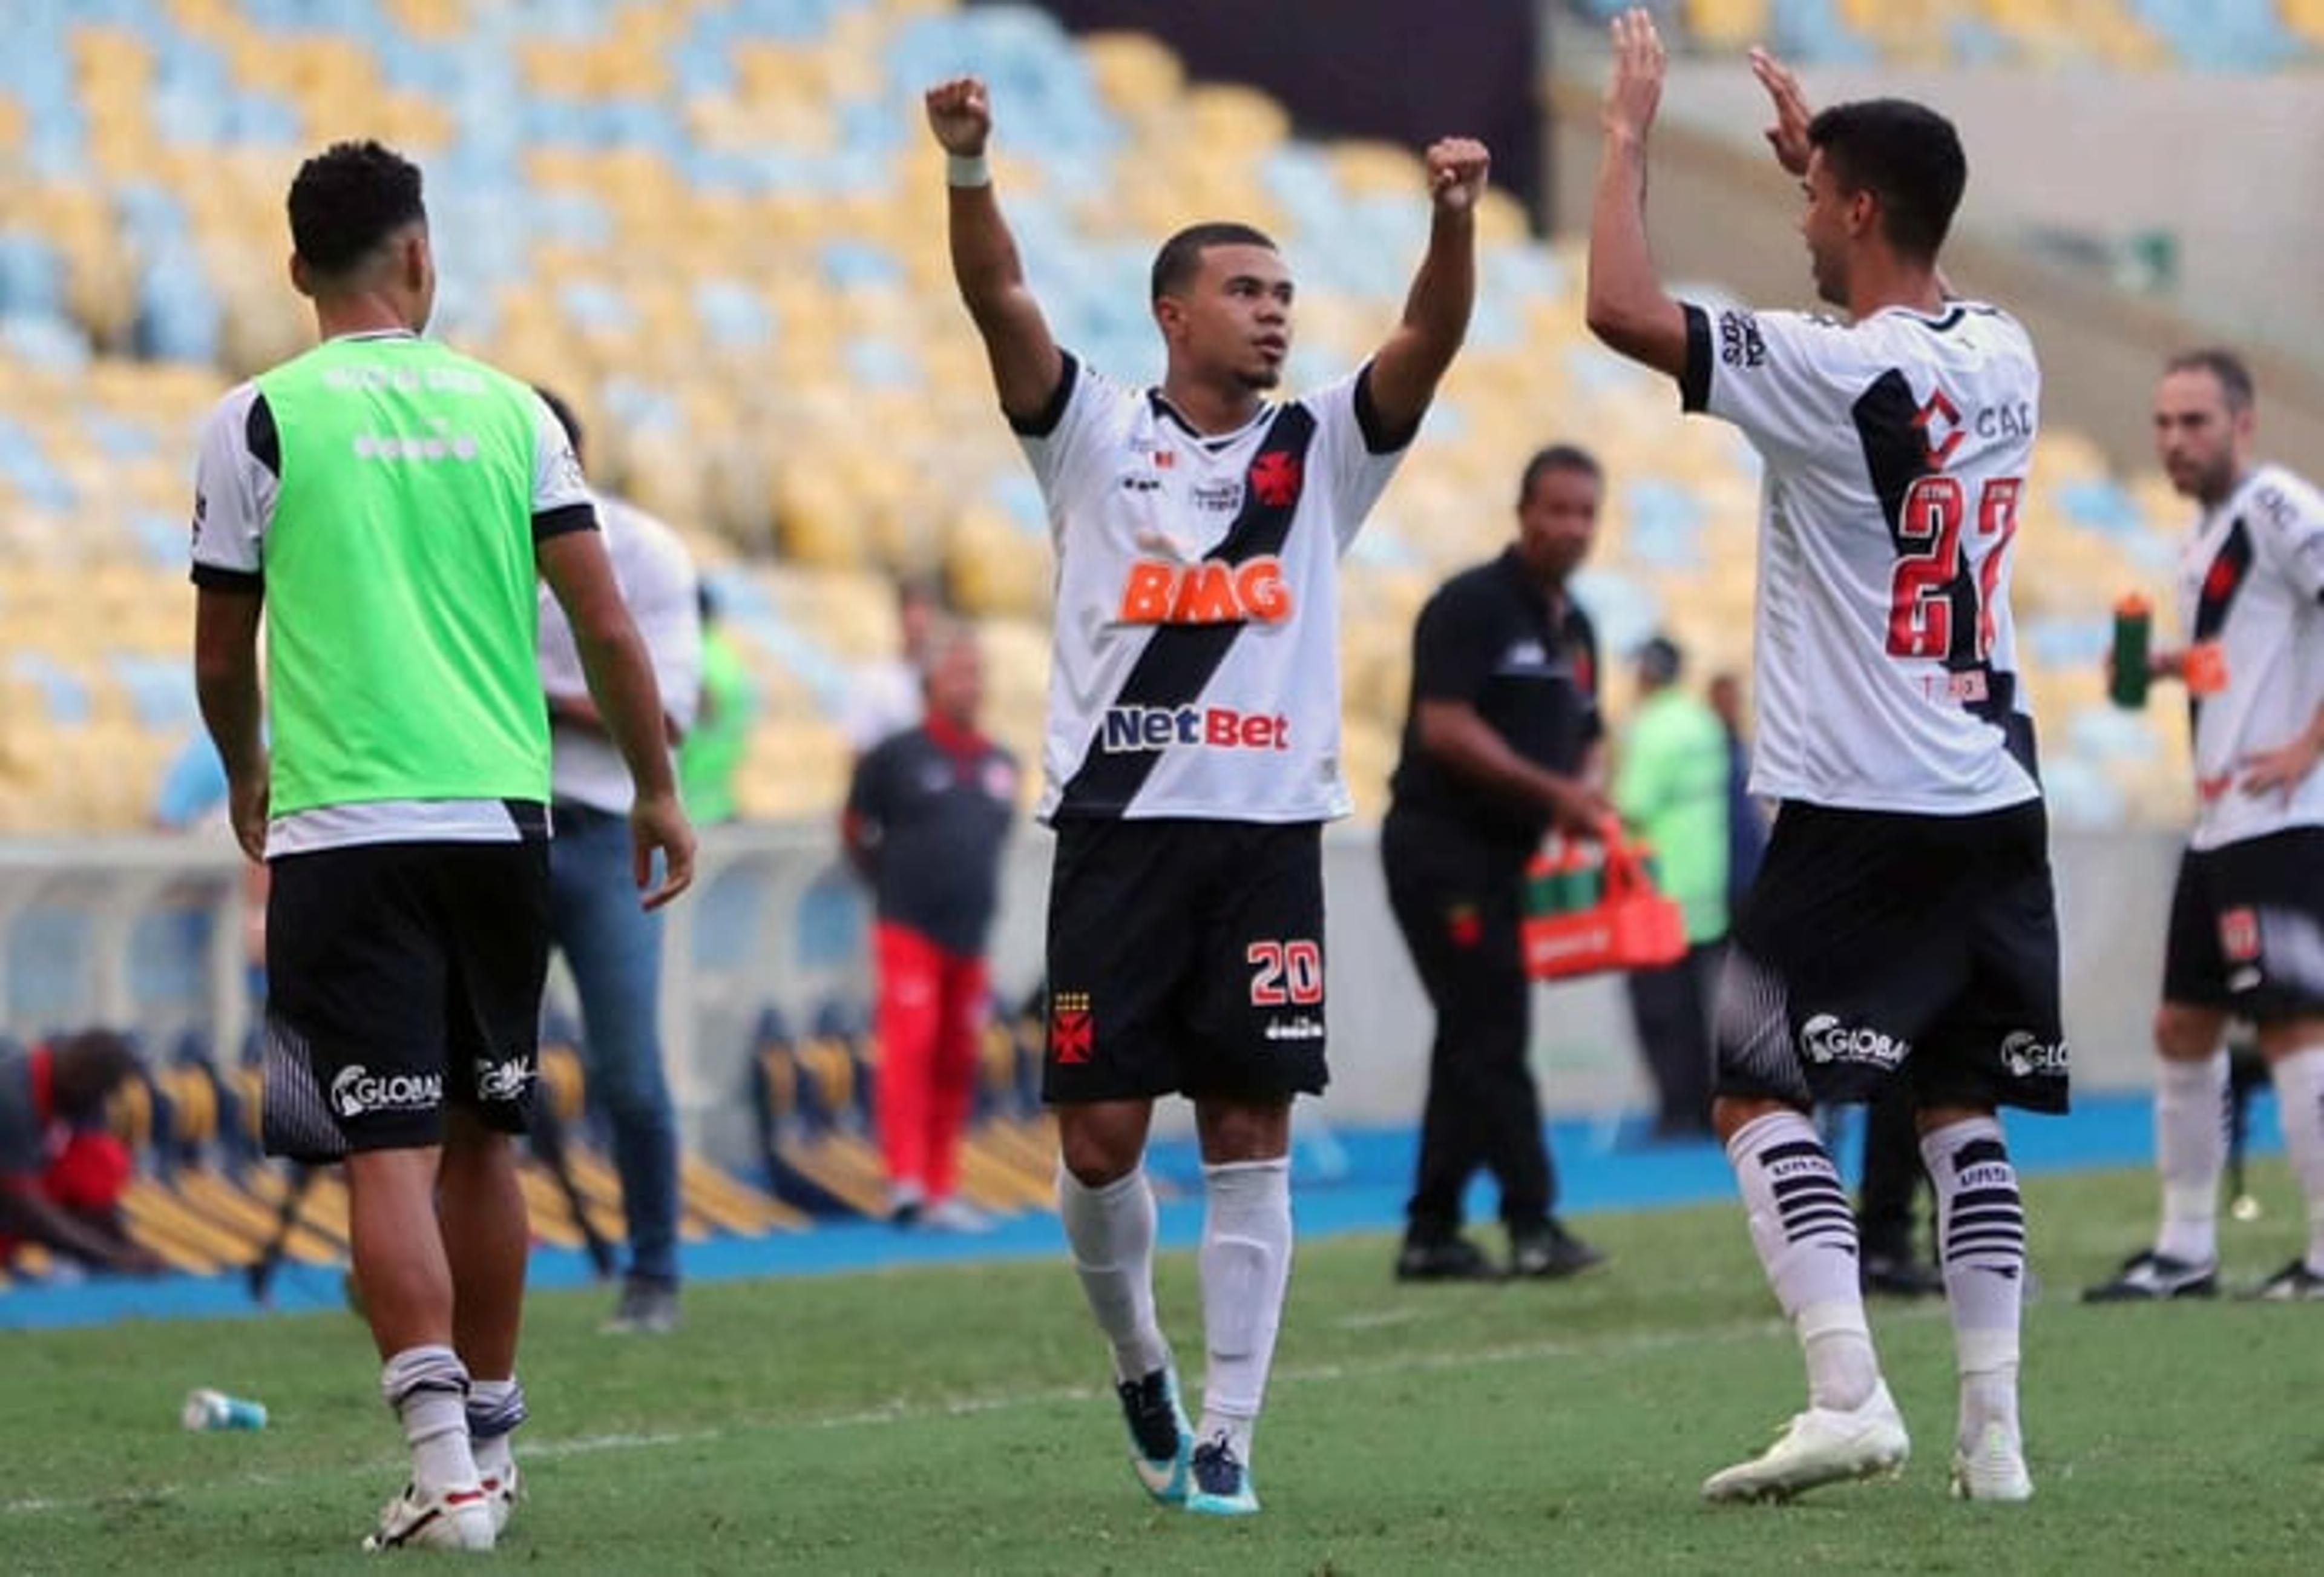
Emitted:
<point x="390" y="505"/>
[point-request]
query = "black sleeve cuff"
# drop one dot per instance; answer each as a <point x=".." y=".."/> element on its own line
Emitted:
<point x="1377" y="440"/>
<point x="1695" y="378"/>
<point x="558" y="522"/>
<point x="214" y="577"/>
<point x="1044" y="421"/>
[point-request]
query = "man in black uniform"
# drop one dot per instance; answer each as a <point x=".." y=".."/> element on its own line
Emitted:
<point x="1500" y="742"/>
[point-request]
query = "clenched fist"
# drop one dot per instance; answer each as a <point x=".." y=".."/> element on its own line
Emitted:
<point x="960" y="114"/>
<point x="1457" y="167"/>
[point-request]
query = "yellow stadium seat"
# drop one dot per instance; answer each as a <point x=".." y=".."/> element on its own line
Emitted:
<point x="1728" y="24"/>
<point x="1137" y="74"/>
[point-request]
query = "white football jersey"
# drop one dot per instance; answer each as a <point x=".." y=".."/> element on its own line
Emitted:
<point x="1195" y="670"/>
<point x="2250" y="578"/>
<point x="1896" y="452"/>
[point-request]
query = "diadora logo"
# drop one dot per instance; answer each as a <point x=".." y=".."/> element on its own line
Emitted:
<point x="1825" y="1039"/>
<point x="2027" y="1055"/>
<point x="1147" y="728"/>
<point x="357" y="1090"/>
<point x="1939" y="421"/>
<point x="1206" y="592"/>
<point x="502" y="1081"/>
<point x="1072" y="1030"/>
<point x="1302" y="1028"/>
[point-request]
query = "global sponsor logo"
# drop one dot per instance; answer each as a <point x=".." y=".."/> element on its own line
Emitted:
<point x="1205" y="591"/>
<point x="356" y="1089"/>
<point x="1147" y="728"/>
<point x="505" y="1080"/>
<point x="2027" y="1055"/>
<point x="1824" y="1040"/>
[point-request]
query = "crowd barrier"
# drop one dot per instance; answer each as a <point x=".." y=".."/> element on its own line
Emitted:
<point x="147" y="934"/>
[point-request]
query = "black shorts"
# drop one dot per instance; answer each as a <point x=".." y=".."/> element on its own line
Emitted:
<point x="1186" y="956"/>
<point x="1873" y="944"/>
<point x="402" y="977"/>
<point x="2247" y="928"/>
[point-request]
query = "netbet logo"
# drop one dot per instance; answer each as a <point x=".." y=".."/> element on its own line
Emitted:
<point x="357" y="1090"/>
<point x="1825" y="1039"/>
<point x="1207" y="592"/>
<point x="1148" y="728"/>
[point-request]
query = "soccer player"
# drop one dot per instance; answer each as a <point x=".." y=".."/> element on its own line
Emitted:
<point x="1902" y="925"/>
<point x="2246" y="931"/>
<point x="1193" y="749"/>
<point x="388" y="503"/>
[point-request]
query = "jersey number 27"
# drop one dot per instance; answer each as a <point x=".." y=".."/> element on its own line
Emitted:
<point x="1924" y="594"/>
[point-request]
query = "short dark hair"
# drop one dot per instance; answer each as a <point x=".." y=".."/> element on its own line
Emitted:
<point x="1557" y="457"/>
<point x="348" y="198"/>
<point x="1660" y="659"/>
<point x="1907" y="155"/>
<point x="1181" y="257"/>
<point x="567" y="417"/>
<point x="2231" y="370"/>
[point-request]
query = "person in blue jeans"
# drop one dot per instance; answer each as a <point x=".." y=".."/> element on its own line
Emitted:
<point x="611" y="946"/>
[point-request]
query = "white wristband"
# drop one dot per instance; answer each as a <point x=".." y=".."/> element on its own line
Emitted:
<point x="967" y="169"/>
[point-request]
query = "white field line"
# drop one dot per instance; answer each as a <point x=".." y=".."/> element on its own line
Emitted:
<point x="901" y="1412"/>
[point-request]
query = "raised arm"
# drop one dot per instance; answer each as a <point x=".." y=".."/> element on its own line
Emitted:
<point x="1405" y="370"/>
<point x="1627" y="307"/>
<point x="1026" y="361"/>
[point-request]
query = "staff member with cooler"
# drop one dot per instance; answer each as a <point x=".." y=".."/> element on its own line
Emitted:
<point x="1500" y="742"/>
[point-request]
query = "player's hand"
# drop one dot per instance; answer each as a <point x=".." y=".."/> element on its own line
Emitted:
<point x="2283" y="769"/>
<point x="1579" y="810"/>
<point x="960" y="114"/>
<point x="1457" y="169"/>
<point x="657" y="825"/>
<point x="1789" y="135"/>
<point x="1635" y="89"/>
<point x="246" y="803"/>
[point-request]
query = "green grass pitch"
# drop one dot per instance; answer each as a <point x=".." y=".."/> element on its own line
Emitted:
<point x="957" y="1420"/>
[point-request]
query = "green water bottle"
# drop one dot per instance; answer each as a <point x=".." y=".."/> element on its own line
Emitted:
<point x="2134" y="625"/>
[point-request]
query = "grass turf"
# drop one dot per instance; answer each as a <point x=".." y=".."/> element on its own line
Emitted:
<point x="955" y="1419"/>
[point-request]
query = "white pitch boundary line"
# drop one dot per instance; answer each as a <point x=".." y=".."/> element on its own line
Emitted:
<point x="1637" y="1342"/>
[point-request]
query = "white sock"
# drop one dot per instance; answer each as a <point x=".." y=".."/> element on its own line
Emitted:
<point x="427" y="1386"/>
<point x="495" y="1407"/>
<point x="2299" y="1105"/>
<point x="1805" y="1234"/>
<point x="1110" y="1230"/>
<point x="1246" y="1267"/>
<point x="1981" y="1233"/>
<point x="2190" y="1151"/>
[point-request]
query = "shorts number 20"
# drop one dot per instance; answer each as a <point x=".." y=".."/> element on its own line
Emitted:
<point x="1283" y="973"/>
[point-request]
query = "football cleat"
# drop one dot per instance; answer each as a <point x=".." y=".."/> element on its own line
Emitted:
<point x="1221" y="1483"/>
<point x="1161" y="1441"/>
<point x="1992" y="1470"/>
<point x="503" y="1491"/>
<point x="446" y="1520"/>
<point x="2295" y="1283"/>
<point x="1820" y="1446"/>
<point x="2147" y="1277"/>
